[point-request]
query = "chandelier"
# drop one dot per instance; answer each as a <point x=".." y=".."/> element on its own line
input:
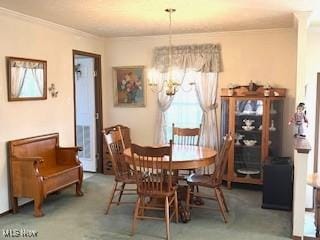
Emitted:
<point x="169" y="83"/>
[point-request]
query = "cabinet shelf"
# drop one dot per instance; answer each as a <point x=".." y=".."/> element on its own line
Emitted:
<point x="245" y="146"/>
<point x="252" y="131"/>
<point x="248" y="115"/>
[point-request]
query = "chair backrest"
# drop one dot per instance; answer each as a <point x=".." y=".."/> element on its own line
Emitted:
<point x="125" y="131"/>
<point x="115" y="144"/>
<point x="221" y="160"/>
<point x="148" y="166"/>
<point x="186" y="136"/>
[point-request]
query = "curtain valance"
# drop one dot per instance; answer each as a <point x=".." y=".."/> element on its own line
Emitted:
<point x="24" y="64"/>
<point x="200" y="58"/>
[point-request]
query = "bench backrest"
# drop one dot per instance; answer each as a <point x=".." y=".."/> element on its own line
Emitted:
<point x="39" y="146"/>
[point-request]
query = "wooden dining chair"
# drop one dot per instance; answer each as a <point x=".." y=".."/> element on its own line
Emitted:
<point x="212" y="181"/>
<point x="154" y="181"/>
<point x="186" y="136"/>
<point x="123" y="173"/>
<point x="107" y="163"/>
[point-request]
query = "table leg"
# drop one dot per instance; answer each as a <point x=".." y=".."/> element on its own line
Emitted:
<point x="184" y="213"/>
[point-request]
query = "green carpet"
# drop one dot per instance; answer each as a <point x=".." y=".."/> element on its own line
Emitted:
<point x="70" y="217"/>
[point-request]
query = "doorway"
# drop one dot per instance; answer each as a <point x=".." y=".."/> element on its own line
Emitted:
<point x="88" y="109"/>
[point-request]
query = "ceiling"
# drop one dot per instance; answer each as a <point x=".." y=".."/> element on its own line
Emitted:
<point x="118" y="18"/>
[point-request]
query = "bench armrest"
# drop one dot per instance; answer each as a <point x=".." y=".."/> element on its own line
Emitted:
<point x="68" y="155"/>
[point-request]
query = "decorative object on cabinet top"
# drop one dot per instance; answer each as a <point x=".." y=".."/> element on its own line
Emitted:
<point x="253" y="90"/>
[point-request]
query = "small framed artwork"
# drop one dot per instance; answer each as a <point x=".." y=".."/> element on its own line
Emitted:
<point x="27" y="79"/>
<point x="129" y="86"/>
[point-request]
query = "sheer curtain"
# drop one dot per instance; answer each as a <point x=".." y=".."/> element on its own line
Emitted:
<point x="185" y="110"/>
<point x="198" y="64"/>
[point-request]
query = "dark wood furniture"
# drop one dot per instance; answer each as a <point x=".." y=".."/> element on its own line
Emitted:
<point x="107" y="162"/>
<point x="212" y="181"/>
<point x="39" y="166"/>
<point x="122" y="170"/>
<point x="154" y="181"/>
<point x="313" y="180"/>
<point x="185" y="136"/>
<point x="256" y="121"/>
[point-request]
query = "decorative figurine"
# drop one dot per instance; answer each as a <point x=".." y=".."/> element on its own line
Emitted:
<point x="266" y="91"/>
<point x="299" y="118"/>
<point x="272" y="127"/>
<point x="230" y="89"/>
<point x="238" y="138"/>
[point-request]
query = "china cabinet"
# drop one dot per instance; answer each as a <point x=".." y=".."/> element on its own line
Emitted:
<point x="255" y="119"/>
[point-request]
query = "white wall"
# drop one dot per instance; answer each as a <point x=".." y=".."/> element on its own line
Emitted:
<point x="312" y="68"/>
<point x="261" y="56"/>
<point x="26" y="37"/>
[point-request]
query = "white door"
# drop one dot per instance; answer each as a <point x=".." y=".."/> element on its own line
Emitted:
<point x="85" y="111"/>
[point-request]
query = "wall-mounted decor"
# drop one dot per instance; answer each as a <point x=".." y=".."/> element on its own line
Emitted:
<point x="27" y="79"/>
<point x="129" y="86"/>
<point x="52" y="89"/>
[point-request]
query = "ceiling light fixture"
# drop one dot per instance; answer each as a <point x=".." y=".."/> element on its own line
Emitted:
<point x="171" y="87"/>
<point x="169" y="84"/>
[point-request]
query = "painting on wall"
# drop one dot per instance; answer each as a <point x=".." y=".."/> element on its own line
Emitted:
<point x="129" y="86"/>
<point x="27" y="79"/>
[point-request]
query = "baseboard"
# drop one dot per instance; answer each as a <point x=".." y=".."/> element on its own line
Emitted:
<point x="310" y="238"/>
<point x="309" y="209"/>
<point x="296" y="237"/>
<point x="6" y="213"/>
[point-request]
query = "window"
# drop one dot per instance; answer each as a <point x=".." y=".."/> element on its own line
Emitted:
<point x="184" y="112"/>
<point x="31" y="86"/>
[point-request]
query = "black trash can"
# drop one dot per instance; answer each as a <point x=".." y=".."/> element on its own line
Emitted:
<point x="278" y="184"/>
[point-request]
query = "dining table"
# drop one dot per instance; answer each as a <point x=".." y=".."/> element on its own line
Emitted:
<point x="184" y="157"/>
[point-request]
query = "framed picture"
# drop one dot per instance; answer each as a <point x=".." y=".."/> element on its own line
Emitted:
<point x="129" y="86"/>
<point x="27" y="79"/>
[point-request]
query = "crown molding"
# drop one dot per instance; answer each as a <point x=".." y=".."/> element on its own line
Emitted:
<point x="202" y="35"/>
<point x="52" y="25"/>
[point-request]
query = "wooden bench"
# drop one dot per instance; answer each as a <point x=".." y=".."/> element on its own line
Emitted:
<point x="38" y="167"/>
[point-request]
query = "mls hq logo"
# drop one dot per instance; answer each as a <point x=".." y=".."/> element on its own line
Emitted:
<point x="19" y="233"/>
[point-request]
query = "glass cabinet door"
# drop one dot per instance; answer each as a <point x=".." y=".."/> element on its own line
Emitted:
<point x="248" y="138"/>
<point x="275" y="127"/>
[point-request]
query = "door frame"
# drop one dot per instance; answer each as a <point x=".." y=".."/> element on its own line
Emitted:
<point x="98" y="103"/>
<point x="317" y="127"/>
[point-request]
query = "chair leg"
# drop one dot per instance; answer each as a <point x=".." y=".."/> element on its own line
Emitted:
<point x="143" y="203"/>
<point x="176" y="206"/>
<point x="121" y="192"/>
<point x="188" y="198"/>
<point x="167" y="218"/>
<point x="135" y="215"/>
<point x="111" y="197"/>
<point x="221" y="206"/>
<point x="223" y="199"/>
